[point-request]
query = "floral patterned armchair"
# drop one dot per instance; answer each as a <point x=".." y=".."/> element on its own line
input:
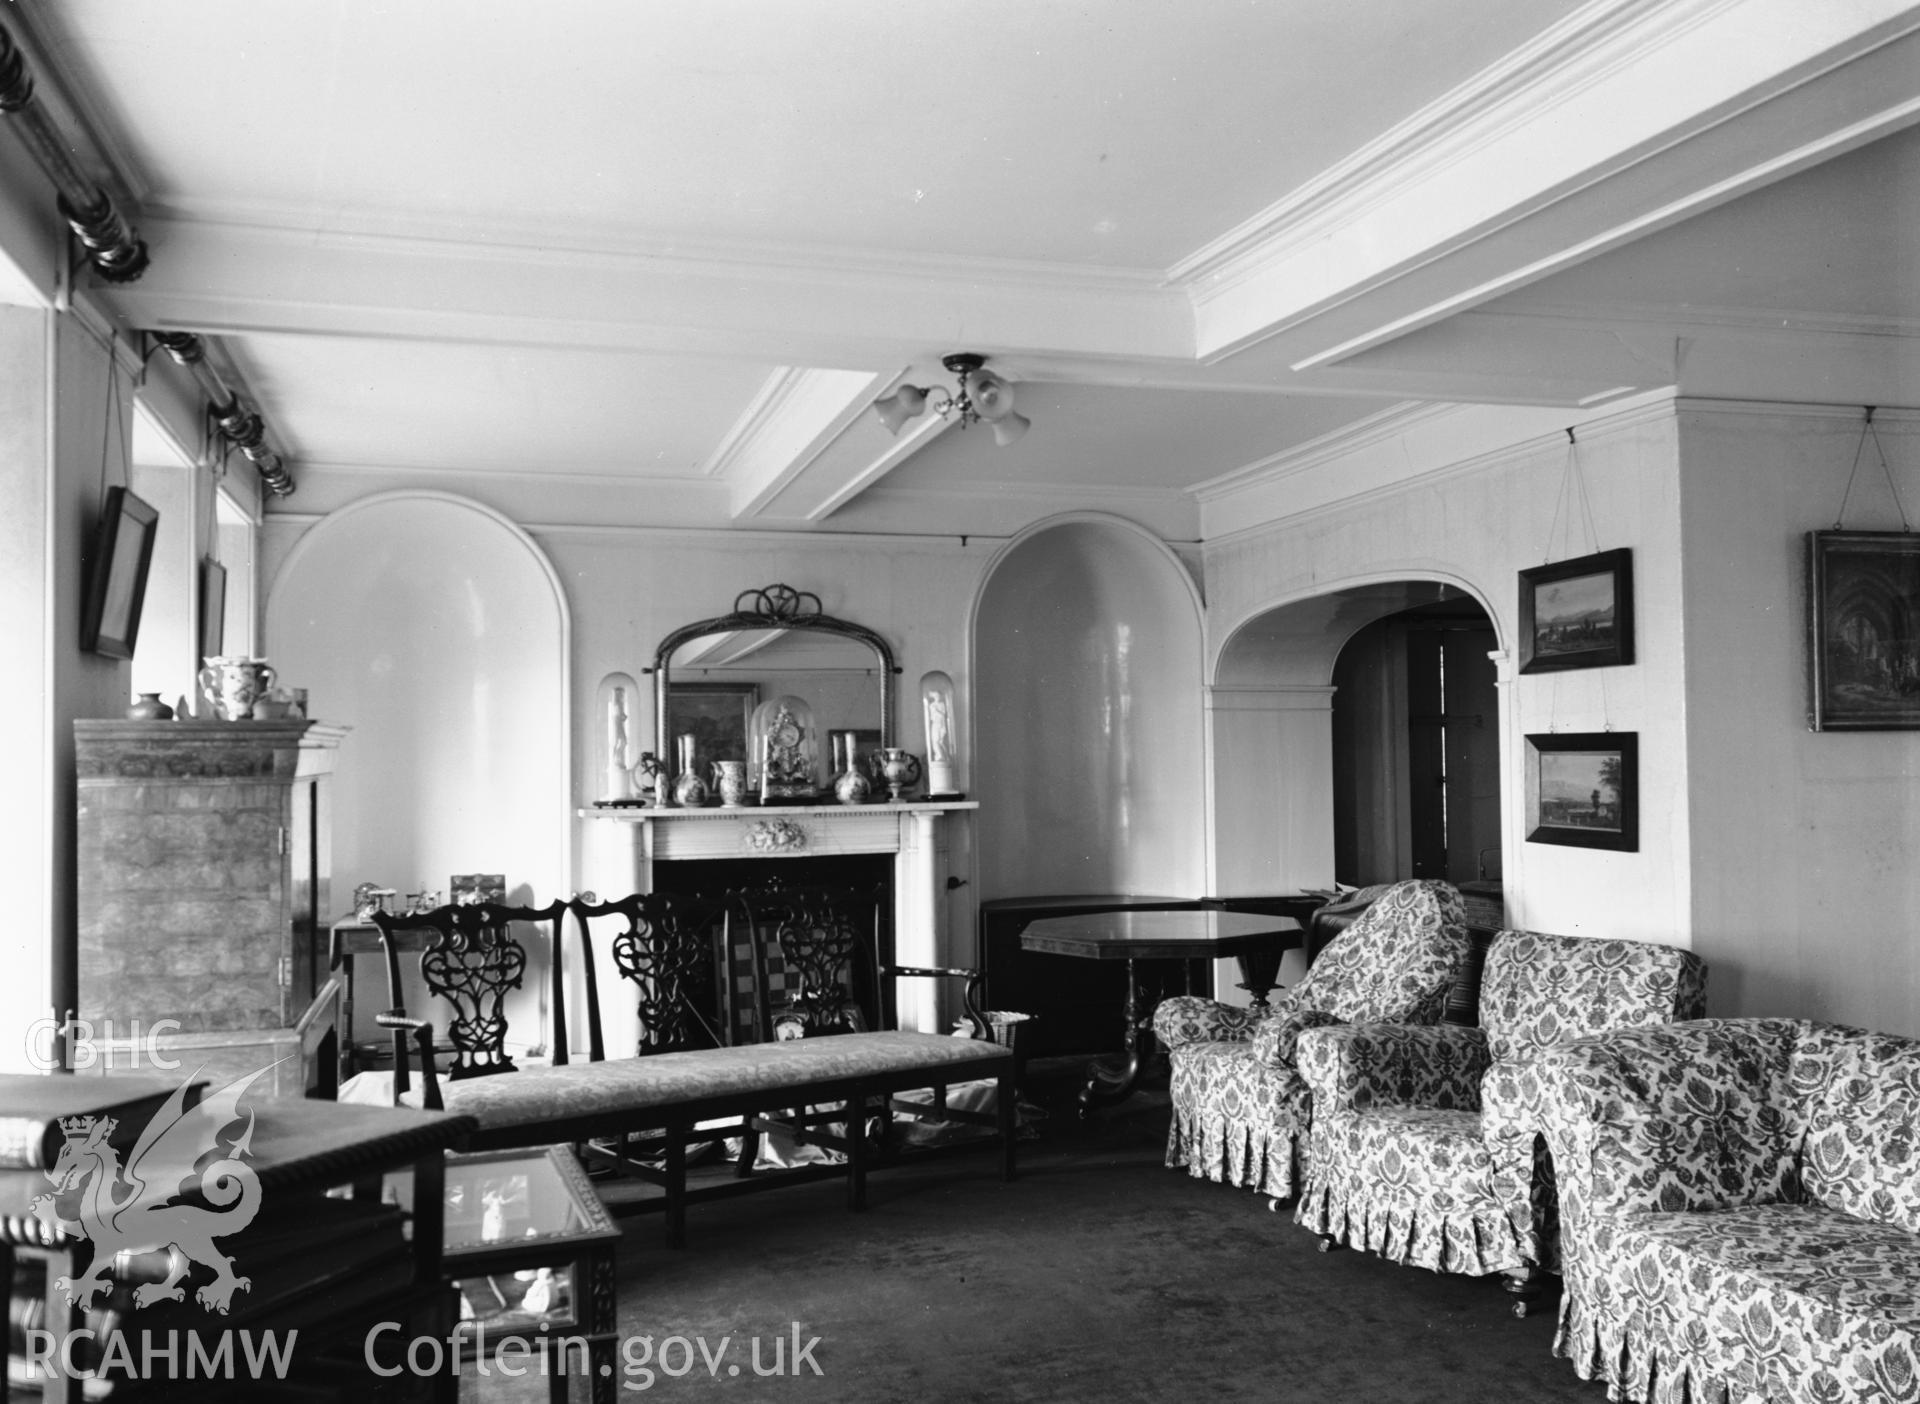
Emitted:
<point x="1240" y="1110"/>
<point x="1424" y="1141"/>
<point x="1740" y="1210"/>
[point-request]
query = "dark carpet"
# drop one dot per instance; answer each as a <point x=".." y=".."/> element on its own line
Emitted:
<point x="1097" y="1275"/>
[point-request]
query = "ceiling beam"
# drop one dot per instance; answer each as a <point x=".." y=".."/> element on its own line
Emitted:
<point x="1614" y="132"/>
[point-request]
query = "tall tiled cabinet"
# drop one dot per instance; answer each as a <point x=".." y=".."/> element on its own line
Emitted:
<point x="204" y="858"/>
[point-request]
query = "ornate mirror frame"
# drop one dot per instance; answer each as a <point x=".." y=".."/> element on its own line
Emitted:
<point x="771" y="607"/>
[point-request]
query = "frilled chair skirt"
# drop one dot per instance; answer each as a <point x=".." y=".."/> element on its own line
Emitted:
<point x="1236" y="1120"/>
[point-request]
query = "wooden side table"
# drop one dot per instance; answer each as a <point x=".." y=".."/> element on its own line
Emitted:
<point x="1132" y="936"/>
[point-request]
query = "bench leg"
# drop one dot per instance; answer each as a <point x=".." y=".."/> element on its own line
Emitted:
<point x="857" y="1152"/>
<point x="676" y="1174"/>
<point x="1006" y="1102"/>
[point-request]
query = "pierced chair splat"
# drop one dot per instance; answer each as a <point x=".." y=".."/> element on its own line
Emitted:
<point x="471" y="959"/>
<point x="811" y="946"/>
<point x="667" y="949"/>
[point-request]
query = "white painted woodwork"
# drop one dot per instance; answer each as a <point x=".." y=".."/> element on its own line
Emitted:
<point x="625" y="844"/>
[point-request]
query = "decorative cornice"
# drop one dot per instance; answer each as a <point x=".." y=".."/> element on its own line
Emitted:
<point x="773" y="396"/>
<point x="1521" y="87"/>
<point x="1759" y="321"/>
<point x="1652" y="407"/>
<point x="1336" y="443"/>
<point x="534" y="242"/>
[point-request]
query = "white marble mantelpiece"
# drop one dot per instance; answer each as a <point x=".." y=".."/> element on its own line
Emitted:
<point x="625" y="842"/>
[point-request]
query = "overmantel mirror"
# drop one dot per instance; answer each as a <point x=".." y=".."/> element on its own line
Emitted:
<point x="766" y="684"/>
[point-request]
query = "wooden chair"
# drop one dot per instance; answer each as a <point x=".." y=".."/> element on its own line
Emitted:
<point x="820" y="969"/>
<point x="470" y="957"/>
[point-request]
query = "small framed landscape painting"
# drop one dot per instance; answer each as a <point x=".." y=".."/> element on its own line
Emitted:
<point x="1864" y="638"/>
<point x="1583" y="789"/>
<point x="1577" y="613"/>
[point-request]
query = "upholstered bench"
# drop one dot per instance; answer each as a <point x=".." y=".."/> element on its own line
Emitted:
<point x="672" y="1094"/>
<point x="1740" y="1210"/>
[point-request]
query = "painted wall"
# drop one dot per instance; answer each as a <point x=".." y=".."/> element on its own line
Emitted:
<point x="629" y="587"/>
<point x="1805" y="888"/>
<point x="1472" y="519"/>
<point x="1089" y="759"/>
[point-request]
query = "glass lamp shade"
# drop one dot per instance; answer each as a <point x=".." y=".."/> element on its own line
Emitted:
<point x="942" y="733"/>
<point x="617" y="733"/>
<point x="1007" y="429"/>
<point x="903" y="404"/>
<point x="784" y="749"/>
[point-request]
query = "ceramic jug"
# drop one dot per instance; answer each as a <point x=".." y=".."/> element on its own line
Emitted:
<point x="233" y="685"/>
<point x="898" y="768"/>
<point x="689" y="790"/>
<point x="730" y="780"/>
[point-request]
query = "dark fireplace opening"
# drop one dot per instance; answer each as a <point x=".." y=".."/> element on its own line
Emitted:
<point x="715" y="878"/>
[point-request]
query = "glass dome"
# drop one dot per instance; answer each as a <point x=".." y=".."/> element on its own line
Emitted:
<point x="942" y="733"/>
<point x="617" y="739"/>
<point x="784" y="750"/>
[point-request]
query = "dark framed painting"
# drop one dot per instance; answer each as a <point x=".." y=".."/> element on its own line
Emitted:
<point x="1583" y="789"/>
<point x="1864" y="634"/>
<point x="117" y="575"/>
<point x="1577" y="613"/>
<point x="213" y="607"/>
<point x="716" y="715"/>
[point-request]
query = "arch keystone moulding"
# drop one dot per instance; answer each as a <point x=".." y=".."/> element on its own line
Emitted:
<point x="516" y="539"/>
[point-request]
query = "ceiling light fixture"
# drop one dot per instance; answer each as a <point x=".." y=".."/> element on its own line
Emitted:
<point x="982" y="397"/>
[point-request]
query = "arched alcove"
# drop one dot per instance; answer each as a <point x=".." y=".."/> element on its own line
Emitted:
<point x="1088" y="740"/>
<point x="1271" y="699"/>
<point x="439" y="632"/>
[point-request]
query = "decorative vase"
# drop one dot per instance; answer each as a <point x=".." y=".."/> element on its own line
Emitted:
<point x="849" y="785"/>
<point x="898" y="768"/>
<point x="730" y="780"/>
<point x="149" y="708"/>
<point x="233" y="685"/>
<point x="689" y="790"/>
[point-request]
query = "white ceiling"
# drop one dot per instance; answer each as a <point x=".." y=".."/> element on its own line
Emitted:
<point x="684" y="246"/>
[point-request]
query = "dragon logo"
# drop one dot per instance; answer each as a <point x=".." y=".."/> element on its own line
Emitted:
<point x="131" y="1208"/>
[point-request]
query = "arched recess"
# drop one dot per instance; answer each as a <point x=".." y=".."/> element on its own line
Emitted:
<point x="1270" y="709"/>
<point x="439" y="631"/>
<point x="1088" y="731"/>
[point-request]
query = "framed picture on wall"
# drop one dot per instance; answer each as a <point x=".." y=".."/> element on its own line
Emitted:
<point x="213" y="607"/>
<point x="717" y="715"/>
<point x="1863" y="589"/>
<point x="1577" y="613"/>
<point x="1583" y="789"/>
<point x="117" y="576"/>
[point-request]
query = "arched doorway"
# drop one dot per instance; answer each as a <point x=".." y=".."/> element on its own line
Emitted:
<point x="1416" y="748"/>
<point x="1294" y="807"/>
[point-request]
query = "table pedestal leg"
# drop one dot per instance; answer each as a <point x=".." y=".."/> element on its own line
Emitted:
<point x="1259" y="972"/>
<point x="1110" y="1080"/>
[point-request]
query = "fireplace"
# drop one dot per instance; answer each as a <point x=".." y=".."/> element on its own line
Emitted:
<point x="710" y="850"/>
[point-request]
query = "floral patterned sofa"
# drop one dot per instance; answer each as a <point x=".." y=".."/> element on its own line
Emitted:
<point x="1423" y="1142"/>
<point x="1240" y="1109"/>
<point x="1740" y="1211"/>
